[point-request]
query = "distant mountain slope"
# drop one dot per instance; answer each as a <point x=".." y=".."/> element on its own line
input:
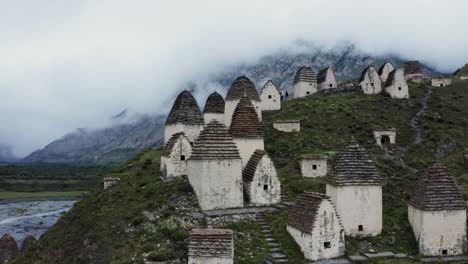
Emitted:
<point x="6" y="154"/>
<point x="118" y="143"/>
<point x="103" y="146"/>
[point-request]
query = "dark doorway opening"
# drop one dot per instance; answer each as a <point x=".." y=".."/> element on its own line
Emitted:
<point x="265" y="187"/>
<point x="385" y="141"/>
<point x="182" y="157"/>
<point x="327" y="245"/>
<point x="360" y="228"/>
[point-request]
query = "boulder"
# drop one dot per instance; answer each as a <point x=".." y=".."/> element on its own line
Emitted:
<point x="8" y="249"/>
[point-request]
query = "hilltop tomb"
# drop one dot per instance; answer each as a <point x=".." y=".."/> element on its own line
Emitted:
<point x="270" y="97"/>
<point x="211" y="246"/>
<point x="185" y="116"/>
<point x="326" y="79"/>
<point x="441" y="81"/>
<point x="110" y="181"/>
<point x="215" y="169"/>
<point x="370" y="81"/>
<point x="246" y="130"/>
<point x="287" y="125"/>
<point x="316" y="227"/>
<point x="396" y="85"/>
<point x="305" y="82"/>
<point x="314" y="166"/>
<point x="385" y="137"/>
<point x="8" y="249"/>
<point x="241" y="87"/>
<point x="261" y="183"/>
<point x="355" y="187"/>
<point x="385" y="70"/>
<point x="28" y="242"/>
<point x="413" y="71"/>
<point x="214" y="108"/>
<point x="174" y="157"/>
<point x="437" y="214"/>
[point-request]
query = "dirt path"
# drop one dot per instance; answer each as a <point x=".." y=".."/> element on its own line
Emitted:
<point x="414" y="122"/>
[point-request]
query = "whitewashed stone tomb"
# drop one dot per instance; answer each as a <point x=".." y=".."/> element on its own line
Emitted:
<point x="305" y="82"/>
<point x="174" y="157"/>
<point x="385" y="70"/>
<point x="370" y="82"/>
<point x="314" y="165"/>
<point x="261" y="183"/>
<point x="287" y="125"/>
<point x="242" y="86"/>
<point x="270" y="97"/>
<point x="316" y="227"/>
<point x="214" y="108"/>
<point x="385" y="137"/>
<point x="396" y="85"/>
<point x="211" y="246"/>
<point x="326" y="79"/>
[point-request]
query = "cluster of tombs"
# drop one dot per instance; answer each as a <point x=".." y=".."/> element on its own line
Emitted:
<point x="9" y="249"/>
<point x="222" y="154"/>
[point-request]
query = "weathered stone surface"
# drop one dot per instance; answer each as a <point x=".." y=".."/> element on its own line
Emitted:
<point x="174" y="157"/>
<point x="326" y="79"/>
<point x="185" y="110"/>
<point x="384" y="137"/>
<point x="287" y="125"/>
<point x="214" y="142"/>
<point x="437" y="190"/>
<point x="380" y="254"/>
<point x="370" y="82"/>
<point x="441" y="81"/>
<point x="8" y="248"/>
<point x="211" y="246"/>
<point x="110" y="181"/>
<point x="444" y="259"/>
<point x="245" y="122"/>
<point x="242" y="86"/>
<point x="305" y="82"/>
<point x="314" y="165"/>
<point x="28" y="242"/>
<point x="316" y="227"/>
<point x="353" y="166"/>
<point x="270" y="97"/>
<point x="261" y="183"/>
<point x="357" y="258"/>
<point x="385" y="70"/>
<point x="214" y="104"/>
<point x="396" y="85"/>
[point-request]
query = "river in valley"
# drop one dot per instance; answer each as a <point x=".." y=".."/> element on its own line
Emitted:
<point x="22" y="217"/>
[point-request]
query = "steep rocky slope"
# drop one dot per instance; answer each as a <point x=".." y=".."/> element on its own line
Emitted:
<point x="117" y="143"/>
<point x="143" y="217"/>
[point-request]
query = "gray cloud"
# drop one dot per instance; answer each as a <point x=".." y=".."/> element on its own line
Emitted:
<point x="68" y="64"/>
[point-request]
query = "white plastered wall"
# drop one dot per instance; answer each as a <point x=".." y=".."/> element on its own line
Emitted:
<point x="247" y="147"/>
<point x="265" y="175"/>
<point x="287" y="127"/>
<point x="371" y="83"/>
<point x="302" y="89"/>
<point x="270" y="98"/>
<point x="327" y="229"/>
<point x="358" y="206"/>
<point x="217" y="183"/>
<point x="379" y="133"/>
<point x="176" y="165"/>
<point x="330" y="81"/>
<point x="311" y="167"/>
<point x="436" y="231"/>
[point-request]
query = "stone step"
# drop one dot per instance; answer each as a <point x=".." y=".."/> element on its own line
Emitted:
<point x="278" y="255"/>
<point x="275" y="249"/>
<point x="271" y="245"/>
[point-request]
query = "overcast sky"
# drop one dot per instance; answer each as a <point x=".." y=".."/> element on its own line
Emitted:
<point x="69" y="64"/>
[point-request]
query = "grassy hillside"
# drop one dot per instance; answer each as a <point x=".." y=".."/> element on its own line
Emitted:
<point x="49" y="177"/>
<point x="143" y="216"/>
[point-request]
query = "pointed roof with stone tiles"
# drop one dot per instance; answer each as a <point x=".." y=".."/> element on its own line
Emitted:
<point x="185" y="111"/>
<point x="166" y="151"/>
<point x="305" y="74"/>
<point x="8" y="248"/>
<point x="269" y="83"/>
<point x="214" y="243"/>
<point x="245" y="122"/>
<point x="214" y="143"/>
<point x="437" y="190"/>
<point x="365" y="72"/>
<point x="382" y="68"/>
<point x="305" y="211"/>
<point x="353" y="166"/>
<point x="240" y="87"/>
<point x="322" y="76"/>
<point x="214" y="104"/>
<point x="251" y="167"/>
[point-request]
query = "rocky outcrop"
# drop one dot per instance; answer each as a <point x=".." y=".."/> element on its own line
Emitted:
<point x="28" y="242"/>
<point x="8" y="249"/>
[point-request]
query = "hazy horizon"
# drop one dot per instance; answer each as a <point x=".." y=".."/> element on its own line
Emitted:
<point x="67" y="64"/>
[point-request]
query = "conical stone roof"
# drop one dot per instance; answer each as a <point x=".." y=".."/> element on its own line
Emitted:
<point x="8" y="248"/>
<point x="240" y="87"/>
<point x="28" y="242"/>
<point x="211" y="243"/>
<point x="305" y="74"/>
<point x="214" y="143"/>
<point x="437" y="190"/>
<point x="245" y="122"/>
<point x="214" y="104"/>
<point x="322" y="75"/>
<point x="185" y="111"/>
<point x="353" y="166"/>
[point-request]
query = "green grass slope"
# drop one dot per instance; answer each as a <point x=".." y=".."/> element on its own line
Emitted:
<point x="143" y="217"/>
